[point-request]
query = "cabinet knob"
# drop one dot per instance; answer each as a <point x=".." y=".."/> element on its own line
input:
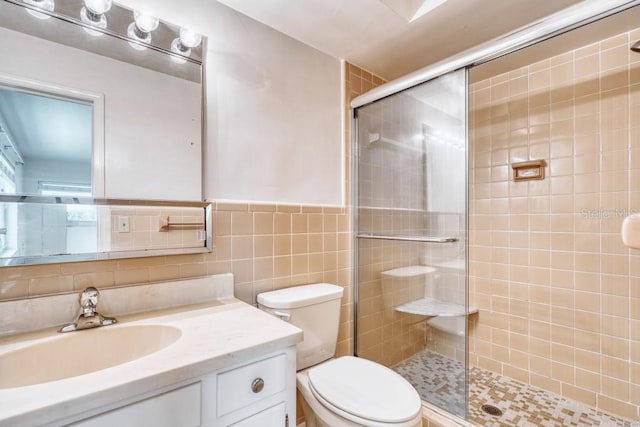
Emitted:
<point x="257" y="385"/>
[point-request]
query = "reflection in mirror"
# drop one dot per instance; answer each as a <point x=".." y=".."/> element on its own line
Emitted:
<point x="36" y="233"/>
<point x="144" y="100"/>
<point x="45" y="144"/>
<point x="131" y="228"/>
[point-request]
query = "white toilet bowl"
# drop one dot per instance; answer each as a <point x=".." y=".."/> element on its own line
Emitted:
<point x="347" y="391"/>
<point x="355" y="392"/>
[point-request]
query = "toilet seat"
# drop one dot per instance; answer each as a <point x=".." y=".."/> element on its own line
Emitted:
<point x="364" y="392"/>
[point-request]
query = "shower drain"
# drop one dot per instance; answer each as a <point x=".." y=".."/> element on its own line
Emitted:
<point x="492" y="410"/>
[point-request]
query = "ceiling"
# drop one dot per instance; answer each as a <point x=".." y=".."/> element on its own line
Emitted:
<point x="389" y="37"/>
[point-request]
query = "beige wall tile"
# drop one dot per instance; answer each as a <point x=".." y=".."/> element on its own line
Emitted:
<point x="230" y="206"/>
<point x="263" y="223"/>
<point x="193" y="270"/>
<point x="99" y="280"/>
<point x="617" y="407"/>
<point x="241" y="223"/>
<point x="263" y="246"/>
<point x="282" y="223"/>
<point x="242" y="247"/>
<point x="131" y="277"/>
<point x="578" y="394"/>
<point x="51" y="285"/>
<point x="262" y="207"/>
<point x="14" y="289"/>
<point x="299" y="223"/>
<point x="263" y="268"/>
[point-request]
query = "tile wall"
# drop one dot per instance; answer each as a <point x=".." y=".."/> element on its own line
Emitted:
<point x="270" y="247"/>
<point x="559" y="294"/>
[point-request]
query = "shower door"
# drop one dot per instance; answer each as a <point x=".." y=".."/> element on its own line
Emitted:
<point x="411" y="227"/>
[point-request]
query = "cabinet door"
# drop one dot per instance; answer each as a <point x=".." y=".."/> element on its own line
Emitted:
<point x="179" y="407"/>
<point x="272" y="417"/>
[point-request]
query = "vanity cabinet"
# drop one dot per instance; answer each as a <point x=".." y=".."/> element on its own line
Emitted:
<point x="269" y="417"/>
<point x="180" y="407"/>
<point x="257" y="393"/>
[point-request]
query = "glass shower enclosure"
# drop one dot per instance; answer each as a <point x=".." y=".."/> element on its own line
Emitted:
<point x="411" y="233"/>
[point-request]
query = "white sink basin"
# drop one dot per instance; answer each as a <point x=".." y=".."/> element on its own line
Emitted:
<point x="82" y="352"/>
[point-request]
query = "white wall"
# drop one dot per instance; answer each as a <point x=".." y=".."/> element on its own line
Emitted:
<point x="274" y="108"/>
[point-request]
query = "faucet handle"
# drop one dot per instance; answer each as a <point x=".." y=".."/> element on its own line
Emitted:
<point x="89" y="300"/>
<point x="88" y="316"/>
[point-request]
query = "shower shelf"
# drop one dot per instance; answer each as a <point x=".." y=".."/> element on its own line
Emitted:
<point x="433" y="307"/>
<point x="376" y="137"/>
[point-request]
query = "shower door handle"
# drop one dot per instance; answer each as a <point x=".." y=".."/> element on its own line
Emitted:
<point x="425" y="239"/>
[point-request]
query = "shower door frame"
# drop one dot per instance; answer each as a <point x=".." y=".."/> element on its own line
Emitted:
<point x="355" y="157"/>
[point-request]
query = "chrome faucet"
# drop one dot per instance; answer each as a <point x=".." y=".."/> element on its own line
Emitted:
<point x="88" y="316"/>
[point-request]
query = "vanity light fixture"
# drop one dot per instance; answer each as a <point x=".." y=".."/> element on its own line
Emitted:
<point x="93" y="19"/>
<point x="92" y="13"/>
<point x="47" y="5"/>
<point x="188" y="40"/>
<point x="141" y="27"/>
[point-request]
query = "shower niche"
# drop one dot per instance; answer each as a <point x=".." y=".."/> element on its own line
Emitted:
<point x="411" y="228"/>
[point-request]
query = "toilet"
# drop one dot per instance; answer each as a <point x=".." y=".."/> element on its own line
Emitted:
<point x="345" y="391"/>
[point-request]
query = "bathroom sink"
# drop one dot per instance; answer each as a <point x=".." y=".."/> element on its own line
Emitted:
<point x="82" y="352"/>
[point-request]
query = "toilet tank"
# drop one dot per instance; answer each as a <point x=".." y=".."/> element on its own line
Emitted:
<point x="313" y="308"/>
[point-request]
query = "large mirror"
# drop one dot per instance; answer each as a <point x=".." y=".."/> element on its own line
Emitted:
<point x="98" y="109"/>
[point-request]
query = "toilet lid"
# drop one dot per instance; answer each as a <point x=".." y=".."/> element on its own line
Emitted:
<point x="364" y="389"/>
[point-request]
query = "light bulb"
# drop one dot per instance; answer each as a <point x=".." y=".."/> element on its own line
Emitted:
<point x="92" y="13"/>
<point x="145" y="22"/>
<point x="98" y="7"/>
<point x="189" y="38"/>
<point x="141" y="28"/>
<point x="135" y="34"/>
<point x="47" y="5"/>
<point x="177" y="47"/>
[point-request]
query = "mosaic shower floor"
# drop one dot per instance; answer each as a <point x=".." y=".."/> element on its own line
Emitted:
<point x="440" y="380"/>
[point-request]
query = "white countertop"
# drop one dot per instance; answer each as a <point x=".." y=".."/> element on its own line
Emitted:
<point x="214" y="335"/>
